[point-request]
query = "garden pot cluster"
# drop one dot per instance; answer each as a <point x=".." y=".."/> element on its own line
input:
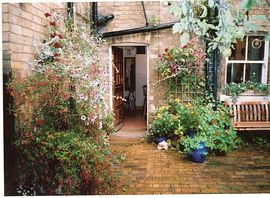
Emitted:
<point x="194" y="128"/>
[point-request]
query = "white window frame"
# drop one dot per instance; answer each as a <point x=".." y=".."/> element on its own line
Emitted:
<point x="264" y="62"/>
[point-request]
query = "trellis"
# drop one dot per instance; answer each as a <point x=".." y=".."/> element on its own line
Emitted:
<point x="185" y="91"/>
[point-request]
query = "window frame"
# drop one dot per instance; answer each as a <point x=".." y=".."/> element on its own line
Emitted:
<point x="264" y="62"/>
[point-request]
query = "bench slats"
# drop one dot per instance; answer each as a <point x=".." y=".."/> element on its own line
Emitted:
<point x="249" y="115"/>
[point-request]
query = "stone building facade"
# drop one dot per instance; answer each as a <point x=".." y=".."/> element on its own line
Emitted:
<point x="23" y="23"/>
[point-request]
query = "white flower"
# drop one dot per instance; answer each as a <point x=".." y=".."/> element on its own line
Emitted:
<point x="83" y="118"/>
<point x="85" y="97"/>
<point x="100" y="125"/>
<point x="85" y="76"/>
<point x="81" y="96"/>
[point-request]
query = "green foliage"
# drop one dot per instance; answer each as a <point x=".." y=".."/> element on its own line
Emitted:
<point x="262" y="142"/>
<point x="153" y="21"/>
<point x="191" y="144"/>
<point x="220" y="23"/>
<point x="235" y="89"/>
<point x="67" y="160"/>
<point x="212" y="127"/>
<point x="165" y="123"/>
<point x="62" y="116"/>
<point x="183" y="67"/>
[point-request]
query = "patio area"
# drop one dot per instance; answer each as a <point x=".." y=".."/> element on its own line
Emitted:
<point x="147" y="170"/>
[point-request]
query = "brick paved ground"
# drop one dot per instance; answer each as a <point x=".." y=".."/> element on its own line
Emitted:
<point x="147" y="170"/>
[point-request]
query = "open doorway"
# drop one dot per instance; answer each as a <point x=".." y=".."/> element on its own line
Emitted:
<point x="129" y="73"/>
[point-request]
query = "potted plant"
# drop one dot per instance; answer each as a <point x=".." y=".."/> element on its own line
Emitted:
<point x="246" y="88"/>
<point x="195" y="148"/>
<point x="164" y="124"/>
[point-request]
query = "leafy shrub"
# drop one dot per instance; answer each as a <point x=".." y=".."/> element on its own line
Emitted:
<point x="262" y="142"/>
<point x="67" y="161"/>
<point x="212" y="127"/>
<point x="62" y="116"/>
<point x="165" y="123"/>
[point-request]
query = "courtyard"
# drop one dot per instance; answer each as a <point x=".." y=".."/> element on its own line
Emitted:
<point x="147" y="170"/>
<point x="136" y="97"/>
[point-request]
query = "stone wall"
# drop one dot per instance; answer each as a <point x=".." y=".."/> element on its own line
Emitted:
<point x="156" y="43"/>
<point x="23" y="26"/>
<point x="23" y="23"/>
<point x="130" y="14"/>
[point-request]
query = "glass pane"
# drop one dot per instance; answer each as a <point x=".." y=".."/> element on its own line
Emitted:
<point x="254" y="72"/>
<point x="235" y="72"/>
<point x="239" y="52"/>
<point x="255" y="48"/>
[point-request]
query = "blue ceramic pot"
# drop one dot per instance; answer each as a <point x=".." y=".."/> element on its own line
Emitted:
<point x="203" y="148"/>
<point x="160" y="139"/>
<point x="198" y="155"/>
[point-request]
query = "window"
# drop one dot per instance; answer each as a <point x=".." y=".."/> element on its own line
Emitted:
<point x="249" y="61"/>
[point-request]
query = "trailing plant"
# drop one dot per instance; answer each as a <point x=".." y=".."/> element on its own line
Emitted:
<point x="235" y="89"/>
<point x="62" y="116"/>
<point x="183" y="67"/>
<point x="220" y="23"/>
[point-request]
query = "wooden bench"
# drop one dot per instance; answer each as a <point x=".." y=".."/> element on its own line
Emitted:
<point x="247" y="116"/>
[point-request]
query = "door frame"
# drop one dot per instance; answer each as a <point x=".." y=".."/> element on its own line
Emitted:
<point x="129" y="44"/>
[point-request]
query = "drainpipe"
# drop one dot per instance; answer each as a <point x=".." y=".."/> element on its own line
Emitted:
<point x="99" y="21"/>
<point x="94" y="15"/>
<point x="138" y="30"/>
<point x="145" y="16"/>
<point x="70" y="11"/>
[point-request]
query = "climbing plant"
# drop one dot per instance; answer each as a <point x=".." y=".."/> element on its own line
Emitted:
<point x="219" y="22"/>
<point x="62" y="117"/>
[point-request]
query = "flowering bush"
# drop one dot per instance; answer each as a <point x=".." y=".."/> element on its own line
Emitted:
<point x="183" y="66"/>
<point x="165" y="123"/>
<point x="212" y="127"/>
<point x="62" y="116"/>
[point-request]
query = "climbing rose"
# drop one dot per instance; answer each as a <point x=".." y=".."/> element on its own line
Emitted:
<point x="53" y="24"/>
<point x="47" y="14"/>
<point x="57" y="45"/>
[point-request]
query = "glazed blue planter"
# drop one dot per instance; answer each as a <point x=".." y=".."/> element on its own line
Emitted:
<point x="199" y="155"/>
<point x="160" y="139"/>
